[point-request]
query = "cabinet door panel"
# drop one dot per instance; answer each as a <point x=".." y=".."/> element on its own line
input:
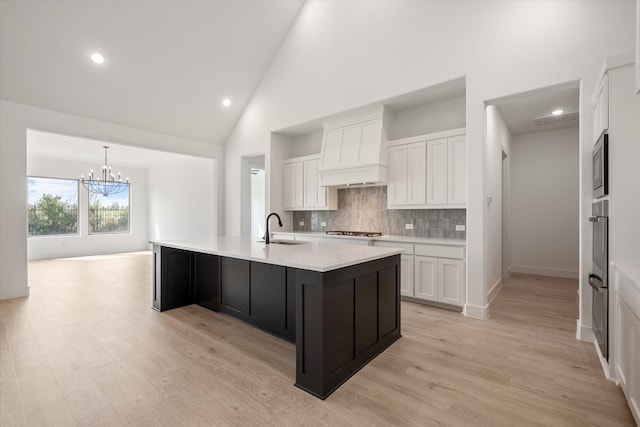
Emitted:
<point x="397" y="187"/>
<point x="206" y="280"/>
<point x="426" y="278"/>
<point x="177" y="286"/>
<point x="290" y="184"/>
<point x="298" y="194"/>
<point x="451" y="289"/>
<point x="416" y="170"/>
<point x="331" y="148"/>
<point x="437" y="153"/>
<point x="351" y="139"/>
<point x="371" y="131"/>
<point x="406" y="275"/>
<point x="235" y="284"/>
<point x="314" y="195"/>
<point x="457" y="170"/>
<point x="634" y="369"/>
<point x="269" y="296"/>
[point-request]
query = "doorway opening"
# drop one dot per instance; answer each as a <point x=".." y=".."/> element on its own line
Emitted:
<point x="533" y="157"/>
<point x="253" y="196"/>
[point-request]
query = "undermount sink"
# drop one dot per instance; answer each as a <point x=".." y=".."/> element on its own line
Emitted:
<point x="284" y="242"/>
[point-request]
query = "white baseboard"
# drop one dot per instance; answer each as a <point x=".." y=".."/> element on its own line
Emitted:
<point x="606" y="368"/>
<point x="494" y="291"/>
<point x="542" y="271"/>
<point x="584" y="333"/>
<point x="11" y="293"/>
<point x="476" y="312"/>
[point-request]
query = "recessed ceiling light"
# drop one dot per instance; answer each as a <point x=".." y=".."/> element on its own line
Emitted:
<point x="97" y="58"/>
<point x="226" y="102"/>
<point x="557" y="112"/>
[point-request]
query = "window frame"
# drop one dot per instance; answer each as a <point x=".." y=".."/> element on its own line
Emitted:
<point x="78" y="213"/>
<point x="90" y="232"/>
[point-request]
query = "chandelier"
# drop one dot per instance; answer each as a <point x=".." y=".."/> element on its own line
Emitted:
<point x="108" y="184"/>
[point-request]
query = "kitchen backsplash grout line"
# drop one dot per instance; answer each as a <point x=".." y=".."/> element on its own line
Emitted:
<point x="365" y="209"/>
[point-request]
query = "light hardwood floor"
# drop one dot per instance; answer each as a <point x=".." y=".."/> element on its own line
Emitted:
<point x="87" y="349"/>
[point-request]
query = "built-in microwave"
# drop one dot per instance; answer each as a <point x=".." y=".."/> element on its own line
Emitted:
<point x="601" y="166"/>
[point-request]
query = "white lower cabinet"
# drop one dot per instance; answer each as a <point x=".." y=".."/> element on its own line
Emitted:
<point x="432" y="272"/>
<point x="439" y="279"/>
<point x="428" y="272"/>
<point x="406" y="275"/>
<point x="628" y="341"/>
<point x="451" y="278"/>
<point x="426" y="278"/>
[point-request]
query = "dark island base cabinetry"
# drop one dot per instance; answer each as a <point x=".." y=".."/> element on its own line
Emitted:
<point x="345" y="318"/>
<point x="339" y="320"/>
<point x="253" y="292"/>
<point x="184" y="277"/>
<point x="259" y="294"/>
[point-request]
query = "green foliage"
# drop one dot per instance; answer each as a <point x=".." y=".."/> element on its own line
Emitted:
<point x="50" y="216"/>
<point x="107" y="219"/>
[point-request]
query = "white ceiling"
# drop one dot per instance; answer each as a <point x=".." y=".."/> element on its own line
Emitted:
<point x="519" y="111"/>
<point x="56" y="146"/>
<point x="168" y="64"/>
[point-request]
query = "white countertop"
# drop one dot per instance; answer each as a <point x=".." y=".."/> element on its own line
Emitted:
<point x="628" y="284"/>
<point x="630" y="269"/>
<point x="385" y="238"/>
<point x="315" y="256"/>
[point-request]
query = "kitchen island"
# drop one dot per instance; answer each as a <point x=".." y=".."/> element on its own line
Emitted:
<point x="339" y="304"/>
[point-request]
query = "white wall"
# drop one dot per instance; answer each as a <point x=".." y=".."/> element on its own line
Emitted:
<point x="43" y="247"/>
<point x="258" y="213"/>
<point x="499" y="140"/>
<point x="544" y="203"/>
<point x="180" y="202"/>
<point x="15" y="119"/>
<point x="377" y="50"/>
<point x="307" y="144"/>
<point x="430" y="118"/>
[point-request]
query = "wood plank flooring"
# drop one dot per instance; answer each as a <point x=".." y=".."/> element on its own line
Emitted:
<point x="87" y="349"/>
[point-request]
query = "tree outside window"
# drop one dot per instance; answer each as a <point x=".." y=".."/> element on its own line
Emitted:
<point x="109" y="214"/>
<point x="52" y="206"/>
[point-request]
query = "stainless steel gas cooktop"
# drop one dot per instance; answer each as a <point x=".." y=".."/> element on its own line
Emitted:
<point x="355" y="233"/>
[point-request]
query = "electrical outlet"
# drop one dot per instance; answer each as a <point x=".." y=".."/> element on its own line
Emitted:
<point x="301" y="223"/>
<point x="408" y="226"/>
<point x="460" y="228"/>
<point x="323" y="224"/>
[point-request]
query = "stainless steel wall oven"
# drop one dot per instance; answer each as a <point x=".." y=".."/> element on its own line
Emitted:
<point x="599" y="277"/>
<point x="601" y="167"/>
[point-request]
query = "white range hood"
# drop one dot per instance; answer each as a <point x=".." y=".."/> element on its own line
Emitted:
<point x="354" y="150"/>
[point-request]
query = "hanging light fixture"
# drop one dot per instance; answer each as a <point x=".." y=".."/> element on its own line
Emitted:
<point x="109" y="184"/>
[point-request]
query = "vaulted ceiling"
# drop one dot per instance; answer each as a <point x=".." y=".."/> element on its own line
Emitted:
<point x="168" y="64"/>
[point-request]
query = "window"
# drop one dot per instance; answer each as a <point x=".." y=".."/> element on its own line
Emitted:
<point x="52" y="206"/>
<point x="109" y="214"/>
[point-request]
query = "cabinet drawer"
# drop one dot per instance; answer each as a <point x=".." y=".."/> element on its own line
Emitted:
<point x="408" y="247"/>
<point x="440" y="251"/>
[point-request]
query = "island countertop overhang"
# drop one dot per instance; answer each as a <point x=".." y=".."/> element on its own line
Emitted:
<point x="314" y="256"/>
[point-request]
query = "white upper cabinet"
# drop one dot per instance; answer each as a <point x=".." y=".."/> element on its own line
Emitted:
<point x="428" y="171"/>
<point x="437" y="166"/>
<point x="416" y="171"/>
<point x="398" y="176"/>
<point x="301" y="188"/>
<point x="600" y="101"/>
<point x="293" y="191"/>
<point x="457" y="170"/>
